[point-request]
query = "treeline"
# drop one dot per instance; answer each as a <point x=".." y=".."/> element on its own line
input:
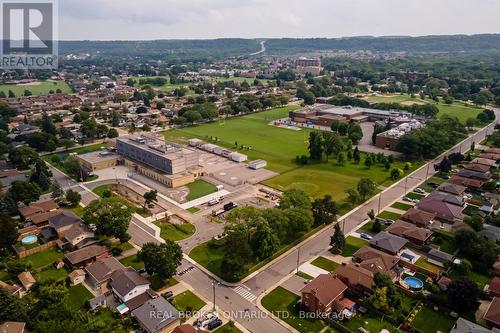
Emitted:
<point x="436" y="137"/>
<point x="255" y="234"/>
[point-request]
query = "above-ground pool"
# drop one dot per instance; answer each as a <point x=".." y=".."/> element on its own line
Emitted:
<point x="414" y="283"/>
<point x="29" y="240"/>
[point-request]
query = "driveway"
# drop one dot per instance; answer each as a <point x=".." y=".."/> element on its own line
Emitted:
<point x="294" y="284"/>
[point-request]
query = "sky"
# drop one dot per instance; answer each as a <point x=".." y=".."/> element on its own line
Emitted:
<point x="207" y="19"/>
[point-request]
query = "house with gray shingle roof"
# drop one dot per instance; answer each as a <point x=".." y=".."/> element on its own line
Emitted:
<point x="388" y="243"/>
<point x="157" y="315"/>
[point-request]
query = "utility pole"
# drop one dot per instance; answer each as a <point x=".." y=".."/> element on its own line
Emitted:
<point x="298" y="258"/>
<point x="379" y="202"/>
<point x="406" y="184"/>
<point x="214" y="284"/>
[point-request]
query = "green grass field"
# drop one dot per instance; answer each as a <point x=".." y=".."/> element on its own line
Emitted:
<point x="428" y="320"/>
<point x="166" y="87"/>
<point x="199" y="189"/>
<point x="175" y="232"/>
<point x="78" y="296"/>
<point x="352" y="244"/>
<point x="401" y="206"/>
<point x="279" y="147"/>
<point x="37" y="88"/>
<point x="457" y="109"/>
<point x="133" y="262"/>
<point x="52" y="274"/>
<point x="281" y="303"/>
<point x="43" y="259"/>
<point x="187" y="301"/>
<point x="324" y="263"/>
<point x="389" y="215"/>
<point x="228" y="328"/>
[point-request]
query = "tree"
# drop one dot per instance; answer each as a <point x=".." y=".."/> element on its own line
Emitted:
<point x="73" y="167"/>
<point x="366" y="187"/>
<point x="315" y="146"/>
<point x="377" y="226"/>
<point x="380" y="300"/>
<point x="396" y="173"/>
<point x="337" y="240"/>
<point x="324" y="210"/>
<point x="356" y="155"/>
<point x="149" y="198"/>
<point x="11" y="307"/>
<point x="341" y="159"/>
<point x="112" y="133"/>
<point x="444" y="166"/>
<point x="57" y="191"/>
<point x="89" y="128"/>
<point x="41" y="175"/>
<point x="332" y="144"/>
<point x="264" y="241"/>
<point x="470" y="122"/>
<point x="161" y="259"/>
<point x="47" y="125"/>
<point x="8" y="230"/>
<point x="73" y="198"/>
<point x="463" y="295"/>
<point x="23" y="157"/>
<point x="110" y="216"/>
<point x="295" y="198"/>
<point x="352" y="196"/>
<point x="368" y="161"/>
<point x="25" y="192"/>
<point x="355" y="133"/>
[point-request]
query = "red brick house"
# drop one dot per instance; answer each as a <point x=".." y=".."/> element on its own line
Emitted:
<point x="324" y="294"/>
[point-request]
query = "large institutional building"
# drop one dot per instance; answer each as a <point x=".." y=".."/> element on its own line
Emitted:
<point x="308" y="66"/>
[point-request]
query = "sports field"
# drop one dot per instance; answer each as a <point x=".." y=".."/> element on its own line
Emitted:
<point x="457" y="109"/>
<point x="280" y="147"/>
<point x="166" y="87"/>
<point x="36" y="88"/>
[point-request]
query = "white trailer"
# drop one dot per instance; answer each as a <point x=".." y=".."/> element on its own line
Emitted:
<point x="257" y="164"/>
<point x="237" y="157"/>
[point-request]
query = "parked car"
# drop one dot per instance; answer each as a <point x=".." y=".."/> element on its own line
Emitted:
<point x="388" y="222"/>
<point x="407" y="199"/>
<point x="365" y="236"/>
<point x="214" y="324"/>
<point x="168" y="294"/>
<point x="419" y="190"/>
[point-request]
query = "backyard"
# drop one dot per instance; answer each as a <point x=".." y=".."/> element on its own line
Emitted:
<point x="228" y="328"/>
<point x="132" y="261"/>
<point x="188" y="301"/>
<point x="78" y="296"/>
<point x="279" y="147"/>
<point x="429" y="320"/>
<point x="43" y="259"/>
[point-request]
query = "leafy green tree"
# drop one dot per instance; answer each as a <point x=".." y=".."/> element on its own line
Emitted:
<point x="23" y="157"/>
<point x="463" y="295"/>
<point x="356" y="155"/>
<point x="48" y="125"/>
<point x="396" y="173"/>
<point x="149" y="198"/>
<point x="73" y="198"/>
<point x="112" y="133"/>
<point x="353" y="196"/>
<point x="337" y="240"/>
<point x="161" y="259"/>
<point x="57" y="191"/>
<point x="315" y="146"/>
<point x="73" y="167"/>
<point x="110" y="217"/>
<point x="12" y="308"/>
<point x="8" y="230"/>
<point x="324" y="210"/>
<point x="264" y="241"/>
<point x="366" y="187"/>
<point x="295" y="198"/>
<point x="25" y="192"/>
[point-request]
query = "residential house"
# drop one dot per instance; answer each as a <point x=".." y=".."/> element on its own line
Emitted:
<point x="477" y="167"/>
<point x="69" y="230"/>
<point x="484" y="176"/>
<point x="36" y="208"/>
<point x="464" y="326"/>
<point x="490" y="156"/>
<point x="492" y="150"/>
<point x="26" y="279"/>
<point x="492" y="315"/>
<point x="494" y="287"/>
<point x="491" y="233"/>
<point x="457" y="200"/>
<point x="127" y="284"/>
<point x="77" y="276"/>
<point x="454" y="189"/>
<point x="157" y="316"/>
<point x="439" y="258"/>
<point x="418" y="217"/>
<point x="82" y="257"/>
<point x="323" y="294"/>
<point x="24" y="129"/>
<point x="496" y="267"/>
<point x="12" y="289"/>
<point x="471" y="184"/>
<point x="357" y="278"/>
<point x="415" y="235"/>
<point x="484" y="161"/>
<point x="99" y="273"/>
<point x="377" y="261"/>
<point x="388" y="243"/>
<point x="12" y="327"/>
<point x="8" y="176"/>
<point x="442" y="210"/>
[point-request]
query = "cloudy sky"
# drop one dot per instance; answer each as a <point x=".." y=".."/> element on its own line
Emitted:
<point x="202" y="19"/>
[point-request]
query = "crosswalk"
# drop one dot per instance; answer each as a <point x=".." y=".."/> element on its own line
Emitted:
<point x="244" y="292"/>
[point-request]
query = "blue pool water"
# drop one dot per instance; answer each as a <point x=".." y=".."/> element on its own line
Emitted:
<point x="414" y="283"/>
<point x="29" y="240"/>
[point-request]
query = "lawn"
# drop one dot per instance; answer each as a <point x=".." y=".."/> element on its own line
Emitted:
<point x="100" y="191"/>
<point x="324" y="263"/>
<point x="368" y="227"/>
<point x="193" y="210"/>
<point x="423" y="263"/>
<point x="429" y="321"/>
<point x="228" y="328"/>
<point x="175" y="232"/>
<point x="36" y="88"/>
<point x="281" y="303"/>
<point x="209" y="255"/>
<point x="78" y="296"/>
<point x="389" y="215"/>
<point x="368" y="321"/>
<point x="78" y="210"/>
<point x="166" y="87"/>
<point x="52" y="274"/>
<point x="352" y="244"/>
<point x="279" y="147"/>
<point x="413" y="195"/>
<point x="457" y="109"/>
<point x="304" y="275"/>
<point x="187" y="301"/>
<point x="44" y="258"/>
<point x="401" y="206"/>
<point x="132" y="261"/>
<point x="200" y="188"/>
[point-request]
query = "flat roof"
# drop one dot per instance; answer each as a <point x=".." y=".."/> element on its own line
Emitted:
<point x="152" y="144"/>
<point x="98" y="156"/>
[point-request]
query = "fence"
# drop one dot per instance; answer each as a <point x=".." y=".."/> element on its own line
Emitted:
<point x="35" y="250"/>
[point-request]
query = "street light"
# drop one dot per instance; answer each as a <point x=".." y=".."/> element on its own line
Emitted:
<point x="214" y="284"/>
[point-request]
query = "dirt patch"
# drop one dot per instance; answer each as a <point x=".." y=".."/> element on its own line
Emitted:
<point x="410" y="103"/>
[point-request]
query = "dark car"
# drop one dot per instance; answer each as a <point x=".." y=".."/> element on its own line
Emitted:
<point x="168" y="294"/>
<point x="214" y="324"/>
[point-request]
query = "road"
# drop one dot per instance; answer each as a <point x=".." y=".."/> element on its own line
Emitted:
<point x="262" y="49"/>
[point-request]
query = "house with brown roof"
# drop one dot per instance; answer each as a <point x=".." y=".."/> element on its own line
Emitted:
<point x="418" y="217"/>
<point x="35" y="208"/>
<point x="8" y="176"/>
<point x="77" y="276"/>
<point x="99" y="273"/>
<point x="26" y="279"/>
<point x="452" y="189"/>
<point x="377" y="261"/>
<point x="494" y="287"/>
<point x="490" y="156"/>
<point x="477" y="167"/>
<point x="492" y="315"/>
<point x="442" y="210"/>
<point x="324" y="294"/>
<point x="81" y="258"/>
<point x="13" y="289"/>
<point x="357" y="278"/>
<point x="457" y="200"/>
<point x="12" y="327"/>
<point x="484" y="176"/>
<point x="417" y="236"/>
<point x="485" y="161"/>
<point x="470" y="183"/>
<point x="185" y="328"/>
<point x="492" y="150"/>
<point x="388" y="243"/>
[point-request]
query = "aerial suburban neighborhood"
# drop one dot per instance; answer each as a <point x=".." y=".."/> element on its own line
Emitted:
<point x="203" y="183"/>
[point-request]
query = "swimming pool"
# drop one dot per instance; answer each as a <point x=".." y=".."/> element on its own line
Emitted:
<point x="29" y="240"/>
<point x="414" y="283"/>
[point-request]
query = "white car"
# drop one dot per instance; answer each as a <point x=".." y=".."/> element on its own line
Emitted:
<point x="365" y="236"/>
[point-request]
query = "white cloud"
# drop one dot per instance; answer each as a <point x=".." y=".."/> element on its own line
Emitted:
<point x="167" y="19"/>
